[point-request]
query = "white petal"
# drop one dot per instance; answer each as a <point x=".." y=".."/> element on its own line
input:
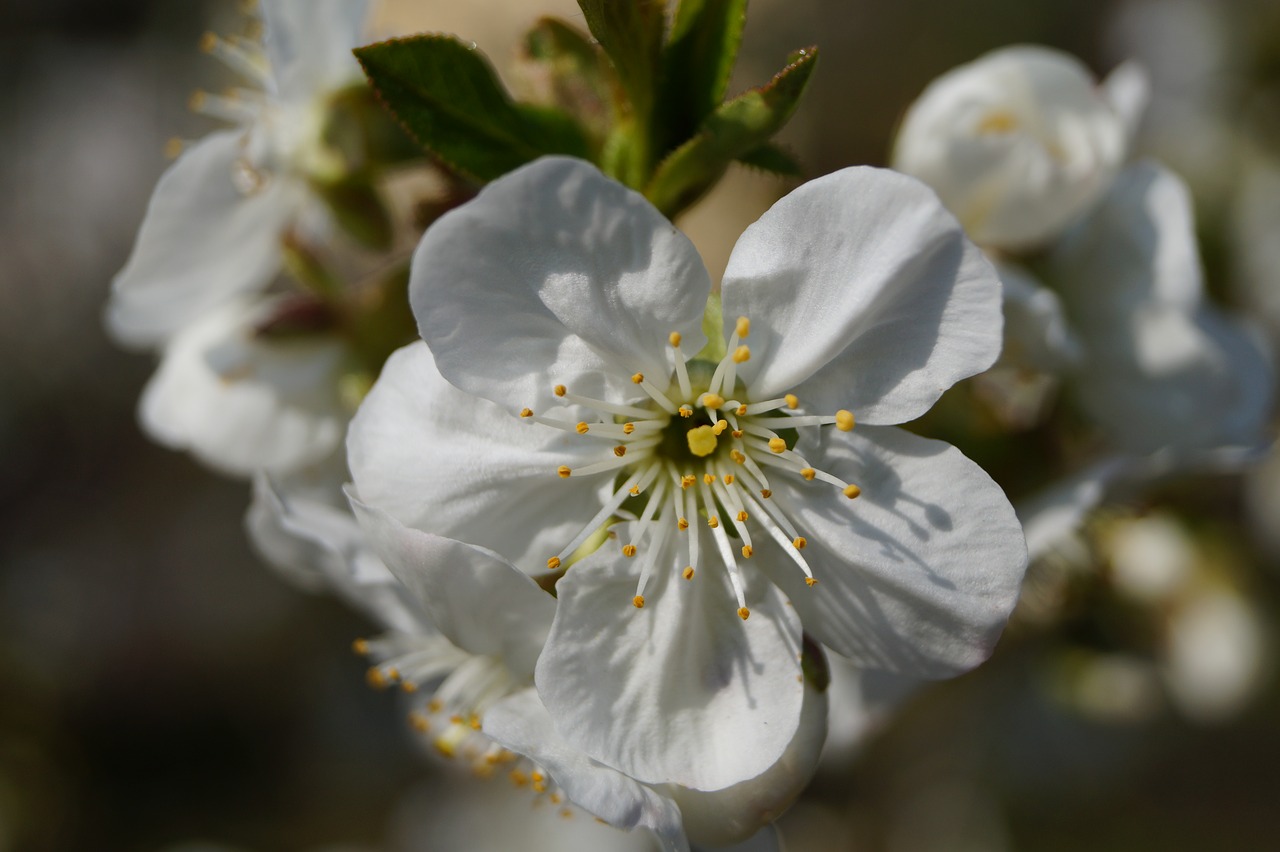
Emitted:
<point x="201" y="243"/>
<point x="522" y="724"/>
<point x="682" y="690"/>
<point x="1036" y="331"/>
<point x="919" y="574"/>
<point x="1128" y="89"/>
<point x="309" y="42"/>
<point x="240" y="403"/>
<point x="320" y="547"/>
<point x="456" y="465"/>
<point x="479" y="601"/>
<point x="864" y="294"/>
<point x="741" y="814"/>
<point x="1018" y="143"/>
<point x="552" y="274"/>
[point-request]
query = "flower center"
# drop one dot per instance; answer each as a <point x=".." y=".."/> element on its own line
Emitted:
<point x="698" y="452"/>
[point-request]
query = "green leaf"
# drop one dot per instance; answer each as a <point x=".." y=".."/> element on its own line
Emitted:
<point x="697" y="62"/>
<point x="566" y="70"/>
<point x="774" y="159"/>
<point x="736" y="128"/>
<point x="630" y="31"/>
<point x="448" y="97"/>
<point x="356" y="206"/>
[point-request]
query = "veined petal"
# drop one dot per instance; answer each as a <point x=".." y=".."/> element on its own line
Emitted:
<point x="456" y="465"/>
<point x="682" y="690"/>
<point x="919" y="574"/>
<point x="522" y="724"/>
<point x="480" y="602"/>
<point x="555" y="274"/>
<point x="865" y="294"/>
<point x="309" y="42"/>
<point x="242" y="404"/>
<point x="321" y="548"/>
<point x="201" y="243"/>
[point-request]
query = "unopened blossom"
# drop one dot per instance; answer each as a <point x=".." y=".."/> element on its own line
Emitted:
<point x="214" y="225"/>
<point x="563" y="385"/>
<point x="1020" y="142"/>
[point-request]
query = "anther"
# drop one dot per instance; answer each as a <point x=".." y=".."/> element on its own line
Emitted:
<point x="582" y="428"/>
<point x="844" y="420"/>
<point x="620" y="450"/>
<point x="737" y="433"/>
<point x="808" y="473"/>
<point x="560" y="390"/>
<point x="747" y="551"/>
<point x="638" y="378"/>
<point x="196" y="100"/>
<point x="708" y="478"/>
<point x="686" y="411"/>
<point x="713" y="522"/>
<point x="361" y="647"/>
<point x="742" y="516"/>
<point x="712" y="400"/>
<point x="409" y="686"/>
<point x="675" y="338"/>
<point x="635" y="490"/>
<point x="553" y="563"/>
<point x="628" y="550"/>
<point x="208" y="43"/>
<point x="744" y="613"/>
<point x="777" y="445"/>
<point x="683" y="523"/>
<point x="766" y="493"/>
<point x="638" y="601"/>
<point x="173" y="147"/>
<point x="628" y="428"/>
<point x="687" y="480"/>
<point x="810" y="582"/>
<point x="741" y="355"/>
<point x="743" y="327"/>
<point x="720" y="426"/>
<point x="729" y="479"/>
<point x="742" y="411"/>
<point x="688" y="572"/>
<point x="852" y="491"/>
<point x="793" y="401"/>
<point x="526" y="412"/>
<point x="564" y="471"/>
<point x="799" y="542"/>
<point x="737" y="456"/>
<point x="420" y="723"/>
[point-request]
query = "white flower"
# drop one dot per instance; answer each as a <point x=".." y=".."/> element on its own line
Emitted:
<point x="1020" y="142"/>
<point x="241" y="402"/>
<point x="560" y="313"/>
<point x="214" y="224"/>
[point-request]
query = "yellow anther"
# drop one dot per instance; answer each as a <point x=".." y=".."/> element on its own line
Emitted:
<point x="793" y="401"/>
<point x="712" y="401"/>
<point x="560" y="390"/>
<point x="737" y="456"/>
<point x="808" y="473"/>
<point x="455" y="719"/>
<point x="361" y="647"/>
<point x="638" y="378"/>
<point x="173" y="147"/>
<point x="420" y="723"/>
<point x="553" y="563"/>
<point x="997" y="122"/>
<point x="409" y="686"/>
<point x="742" y="411"/>
<point x="473" y="722"/>
<point x="737" y="433"/>
<point x="702" y="441"/>
<point x="687" y="480"/>
<point x="635" y="490"/>
<point x="810" y="582"/>
<point x="729" y="479"/>
<point x="582" y="428"/>
<point x="393" y="673"/>
<point x="688" y="572"/>
<point x="844" y="420"/>
<point x="852" y="491"/>
<point x="766" y="493"/>
<point x="435" y="705"/>
<point x="744" y="613"/>
<point x="526" y="412"/>
<point x="518" y="778"/>
<point x="741" y="355"/>
<point x="556" y="798"/>
<point x="564" y="471"/>
<point x="800" y="542"/>
<point x="375" y="678"/>
<point x="683" y="523"/>
<point x="675" y="338"/>
<point x="628" y="428"/>
<point x="777" y="445"/>
<point x="685" y="411"/>
<point x="620" y="450"/>
<point x="628" y="550"/>
<point x="713" y="522"/>
<point x="566" y="814"/>
<point x="638" y="601"/>
<point x="208" y="43"/>
<point x="708" y="478"/>
<point x="747" y="551"/>
<point x="720" y="426"/>
<point x="742" y="516"/>
<point x="743" y="327"/>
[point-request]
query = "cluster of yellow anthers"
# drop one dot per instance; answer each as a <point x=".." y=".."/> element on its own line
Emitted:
<point x="674" y="449"/>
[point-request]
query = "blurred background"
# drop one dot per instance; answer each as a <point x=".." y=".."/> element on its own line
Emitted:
<point x="159" y="686"/>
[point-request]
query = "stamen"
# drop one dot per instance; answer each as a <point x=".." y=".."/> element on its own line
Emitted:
<point x="564" y="471"/>
<point x="640" y="479"/>
<point x="675" y="338"/>
<point x="720" y="426"/>
<point x="741" y="355"/>
<point x="686" y="411"/>
<point x="774" y="522"/>
<point x="620" y="450"/>
<point x="234" y="110"/>
<point x="629" y="550"/>
<point x="682" y="371"/>
<point x="688" y="572"/>
<point x="799" y="542"/>
<point x="852" y="491"/>
<point x="237" y="57"/>
<point x="725" y="548"/>
<point x="602" y="406"/>
<point x="777" y="445"/>
<point x="712" y="401"/>
<point x="793" y="401"/>
<point x="654" y="394"/>
<point x="582" y="428"/>
<point x="744" y="613"/>
<point x="553" y="563"/>
<point x="743" y="327"/>
<point x="844" y="420"/>
<point x="526" y="412"/>
<point x="638" y="601"/>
